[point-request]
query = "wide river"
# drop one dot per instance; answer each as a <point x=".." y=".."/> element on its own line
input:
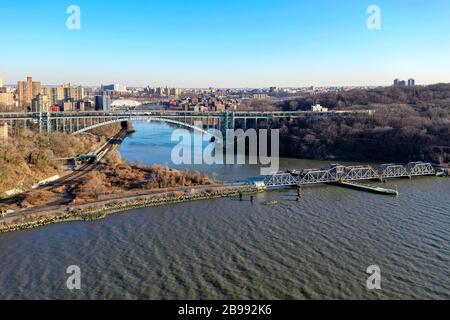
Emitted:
<point x="319" y="248"/>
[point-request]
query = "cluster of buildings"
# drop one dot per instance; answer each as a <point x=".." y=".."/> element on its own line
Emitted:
<point x="402" y="83"/>
<point x="114" y="88"/>
<point x="6" y="95"/>
<point x="206" y="101"/>
<point x="221" y="100"/>
<point x="32" y="96"/>
<point x="163" y="92"/>
<point x="60" y="98"/>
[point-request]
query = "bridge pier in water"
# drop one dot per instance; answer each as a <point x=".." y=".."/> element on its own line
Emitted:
<point x="299" y="194"/>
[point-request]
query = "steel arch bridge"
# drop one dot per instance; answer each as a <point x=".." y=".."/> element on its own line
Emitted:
<point x="143" y="118"/>
<point x="82" y="121"/>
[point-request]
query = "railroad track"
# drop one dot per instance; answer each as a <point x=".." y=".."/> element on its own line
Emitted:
<point x="84" y="169"/>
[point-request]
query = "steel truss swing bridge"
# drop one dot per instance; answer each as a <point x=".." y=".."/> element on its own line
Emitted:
<point x="337" y="174"/>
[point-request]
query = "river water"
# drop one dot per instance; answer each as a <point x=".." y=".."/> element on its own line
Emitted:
<point x="319" y="248"/>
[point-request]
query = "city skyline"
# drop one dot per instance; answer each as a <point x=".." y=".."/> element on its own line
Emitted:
<point x="225" y="155"/>
<point x="233" y="45"/>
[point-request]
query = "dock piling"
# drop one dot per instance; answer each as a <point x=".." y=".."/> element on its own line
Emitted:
<point x="299" y="194"/>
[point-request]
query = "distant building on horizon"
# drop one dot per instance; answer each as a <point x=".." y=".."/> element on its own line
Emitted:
<point x="402" y="83"/>
<point x="318" y="108"/>
<point x="103" y="102"/>
<point x="176" y="92"/>
<point x="114" y="87"/>
<point x="1" y="82"/>
<point x="260" y="96"/>
<point x="399" y="83"/>
<point x="274" y="90"/>
<point x="163" y="92"/>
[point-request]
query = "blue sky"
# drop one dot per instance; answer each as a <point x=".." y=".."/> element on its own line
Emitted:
<point x="233" y="43"/>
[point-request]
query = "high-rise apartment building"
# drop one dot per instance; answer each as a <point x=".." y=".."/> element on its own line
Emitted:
<point x="21" y="92"/>
<point x="402" y="83"/>
<point x="103" y="102"/>
<point x="75" y="93"/>
<point x="28" y="90"/>
<point x="6" y="97"/>
<point x="65" y="92"/>
<point x="55" y="96"/>
<point x="399" y="83"/>
<point x="1" y="82"/>
<point x="37" y="88"/>
<point x="175" y="92"/>
<point x="163" y="92"/>
<point x="72" y="93"/>
<point x="40" y="103"/>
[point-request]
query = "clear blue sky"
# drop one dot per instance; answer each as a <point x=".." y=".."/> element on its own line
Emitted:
<point x="233" y="43"/>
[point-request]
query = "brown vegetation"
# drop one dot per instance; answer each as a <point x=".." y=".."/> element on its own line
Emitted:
<point x="118" y="177"/>
<point x="257" y="105"/>
<point x="30" y="157"/>
<point x="36" y="198"/>
<point x="408" y="125"/>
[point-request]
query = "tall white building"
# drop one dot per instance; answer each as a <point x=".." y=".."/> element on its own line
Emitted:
<point x="1" y="82"/>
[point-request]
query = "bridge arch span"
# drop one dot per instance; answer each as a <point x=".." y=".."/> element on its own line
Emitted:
<point x="144" y="118"/>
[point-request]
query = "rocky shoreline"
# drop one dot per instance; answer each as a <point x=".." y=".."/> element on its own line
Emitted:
<point x="101" y="210"/>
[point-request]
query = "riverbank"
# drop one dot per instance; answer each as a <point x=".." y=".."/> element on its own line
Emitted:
<point x="102" y="209"/>
<point x="108" y="185"/>
<point x="31" y="157"/>
<point x="182" y="251"/>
